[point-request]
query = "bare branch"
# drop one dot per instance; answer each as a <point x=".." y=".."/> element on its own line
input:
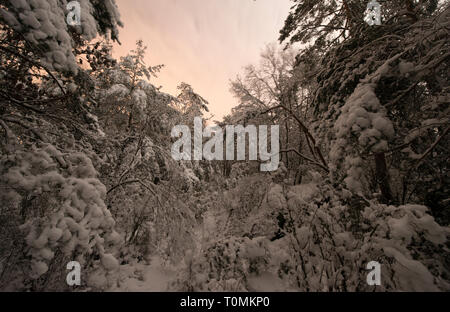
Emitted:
<point x="34" y="131"/>
<point x="19" y="103"/>
<point x="306" y="158"/>
<point x="428" y="151"/>
<point x="315" y="149"/>
<point x="35" y="64"/>
<point x="139" y="182"/>
<point x="7" y="130"/>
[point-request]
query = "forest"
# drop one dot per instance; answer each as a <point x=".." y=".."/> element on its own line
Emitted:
<point x="87" y="173"/>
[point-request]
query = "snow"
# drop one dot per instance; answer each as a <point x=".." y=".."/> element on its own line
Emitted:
<point x="362" y="116"/>
<point x="78" y="218"/>
<point x="192" y="228"/>
<point x="109" y="262"/>
<point x="415" y="276"/>
<point x="55" y="234"/>
<point x="275" y="197"/>
<point x="405" y="67"/>
<point x="140" y="98"/>
<point x="401" y="229"/>
<point x="39" y="267"/>
<point x="141" y="277"/>
<point x="265" y="282"/>
<point x="191" y="176"/>
<point x="304" y="192"/>
<point x="118" y="90"/>
<point x="43" y="22"/>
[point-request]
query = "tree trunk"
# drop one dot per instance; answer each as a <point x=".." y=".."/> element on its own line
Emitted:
<point x="287" y="143"/>
<point x="226" y="169"/>
<point x="383" y="178"/>
<point x="130" y="120"/>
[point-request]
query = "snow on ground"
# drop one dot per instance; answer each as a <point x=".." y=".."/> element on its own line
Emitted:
<point x="141" y="277"/>
<point x="265" y="282"/>
<point x="156" y="276"/>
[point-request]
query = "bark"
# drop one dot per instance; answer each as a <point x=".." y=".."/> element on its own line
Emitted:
<point x="383" y="178"/>
<point x="226" y="168"/>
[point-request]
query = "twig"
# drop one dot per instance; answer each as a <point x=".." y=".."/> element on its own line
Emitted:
<point x="305" y="157"/>
<point x="398" y="98"/>
<point x="139" y="182"/>
<point x="37" y="64"/>
<point x="22" y="104"/>
<point x="7" y="130"/>
<point x="34" y="131"/>
<point x="432" y="147"/>
<point x="315" y="148"/>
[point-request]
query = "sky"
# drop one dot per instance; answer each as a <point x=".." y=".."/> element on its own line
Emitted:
<point x="204" y="43"/>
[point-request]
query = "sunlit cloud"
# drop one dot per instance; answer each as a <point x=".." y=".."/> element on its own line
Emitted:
<point x="202" y="42"/>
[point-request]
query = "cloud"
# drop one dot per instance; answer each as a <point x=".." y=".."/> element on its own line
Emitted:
<point x="202" y="42"/>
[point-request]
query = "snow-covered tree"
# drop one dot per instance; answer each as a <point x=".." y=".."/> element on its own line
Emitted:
<point x="372" y="90"/>
<point x="125" y="94"/>
<point x="42" y="24"/>
<point x="276" y="91"/>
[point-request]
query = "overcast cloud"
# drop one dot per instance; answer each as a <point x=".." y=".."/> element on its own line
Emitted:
<point x="202" y="42"/>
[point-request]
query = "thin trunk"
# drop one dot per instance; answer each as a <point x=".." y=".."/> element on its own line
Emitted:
<point x="348" y="14"/>
<point x="410" y="9"/>
<point x="287" y="142"/>
<point x="130" y="118"/>
<point x="383" y="178"/>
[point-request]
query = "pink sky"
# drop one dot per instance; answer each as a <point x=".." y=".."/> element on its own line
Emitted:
<point x="202" y="42"/>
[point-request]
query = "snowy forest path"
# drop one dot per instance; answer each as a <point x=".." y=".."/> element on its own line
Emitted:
<point x="141" y="277"/>
<point x="157" y="274"/>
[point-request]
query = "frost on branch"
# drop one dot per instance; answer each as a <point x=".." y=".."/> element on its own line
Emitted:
<point x="362" y="119"/>
<point x="325" y="238"/>
<point x="43" y="24"/>
<point x="61" y="204"/>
